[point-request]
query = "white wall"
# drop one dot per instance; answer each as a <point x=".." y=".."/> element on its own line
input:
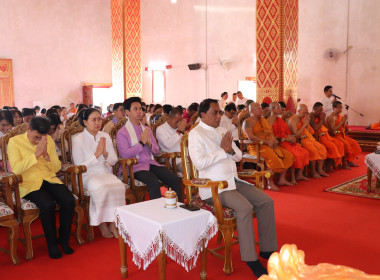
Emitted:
<point x="55" y="46"/>
<point x="323" y="24"/>
<point x="177" y="35"/>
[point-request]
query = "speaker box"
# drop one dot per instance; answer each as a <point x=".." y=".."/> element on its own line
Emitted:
<point x="195" y="66"/>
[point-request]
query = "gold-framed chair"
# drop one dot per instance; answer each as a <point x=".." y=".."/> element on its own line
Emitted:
<point x="226" y="217"/>
<point x="155" y="113"/>
<point x="26" y="210"/>
<point x="7" y="213"/>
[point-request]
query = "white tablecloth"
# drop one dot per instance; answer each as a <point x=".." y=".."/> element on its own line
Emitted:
<point x="373" y="162"/>
<point x="148" y="228"/>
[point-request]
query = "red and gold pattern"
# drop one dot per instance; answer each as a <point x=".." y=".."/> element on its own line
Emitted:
<point x="117" y="46"/>
<point x="276" y="49"/>
<point x="126" y="46"/>
<point x="6" y="83"/>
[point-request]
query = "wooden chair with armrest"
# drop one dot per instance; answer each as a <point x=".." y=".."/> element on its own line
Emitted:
<point x="7" y="213"/>
<point x="226" y="217"/>
<point x="155" y="113"/>
<point x="26" y="210"/>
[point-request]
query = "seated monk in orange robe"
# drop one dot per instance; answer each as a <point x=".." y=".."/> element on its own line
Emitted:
<point x="335" y="148"/>
<point x="375" y="126"/>
<point x="300" y="127"/>
<point x="287" y="141"/>
<point x="256" y="128"/>
<point x="337" y="127"/>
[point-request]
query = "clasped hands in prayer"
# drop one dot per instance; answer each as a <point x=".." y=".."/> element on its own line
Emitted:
<point x="101" y="148"/>
<point x="145" y="137"/>
<point x="226" y="143"/>
<point x="41" y="149"/>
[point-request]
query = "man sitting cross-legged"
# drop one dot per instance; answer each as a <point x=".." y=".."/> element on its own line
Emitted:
<point x="300" y="127"/>
<point x="33" y="156"/>
<point x="276" y="158"/>
<point x="335" y="148"/>
<point x="338" y="127"/>
<point x="169" y="134"/>
<point x="136" y="141"/>
<point x="288" y="142"/>
<point x="214" y="154"/>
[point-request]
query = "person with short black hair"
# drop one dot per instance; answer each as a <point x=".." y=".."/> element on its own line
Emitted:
<point x="328" y="100"/>
<point x="240" y="100"/>
<point x="33" y="156"/>
<point x="214" y="155"/>
<point x="119" y="114"/>
<point x="223" y="100"/>
<point x="230" y="121"/>
<point x="234" y="97"/>
<point x="6" y="122"/>
<point x="94" y="149"/>
<point x="169" y="134"/>
<point x="188" y="113"/>
<point x="135" y="141"/>
<point x="28" y="114"/>
<point x="266" y="111"/>
<point x="37" y="110"/>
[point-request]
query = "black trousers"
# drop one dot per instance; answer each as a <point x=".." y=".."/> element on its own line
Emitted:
<point x="151" y="179"/>
<point x="46" y="199"/>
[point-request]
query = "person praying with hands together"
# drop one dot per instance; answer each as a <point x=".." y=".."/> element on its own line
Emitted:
<point x="94" y="149"/>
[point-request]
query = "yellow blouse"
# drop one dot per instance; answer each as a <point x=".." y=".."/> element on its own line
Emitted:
<point x="33" y="171"/>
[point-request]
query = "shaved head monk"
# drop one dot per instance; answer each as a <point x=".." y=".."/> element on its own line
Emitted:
<point x="299" y="125"/>
<point x="289" y="142"/>
<point x="335" y="148"/>
<point x="337" y="127"/>
<point x="257" y="129"/>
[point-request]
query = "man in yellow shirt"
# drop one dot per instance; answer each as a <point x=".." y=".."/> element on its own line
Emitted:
<point x="33" y="156"/>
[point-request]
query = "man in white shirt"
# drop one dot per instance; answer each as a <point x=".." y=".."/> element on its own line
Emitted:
<point x="169" y="134"/>
<point x="214" y="155"/>
<point x="328" y="100"/>
<point x="230" y="121"/>
<point x="223" y="101"/>
<point x="240" y="100"/>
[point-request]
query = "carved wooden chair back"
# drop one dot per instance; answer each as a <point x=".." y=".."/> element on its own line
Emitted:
<point x="106" y="120"/>
<point x="155" y="113"/>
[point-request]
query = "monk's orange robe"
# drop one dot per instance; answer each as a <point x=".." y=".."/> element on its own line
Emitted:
<point x="375" y="126"/>
<point x="277" y="159"/>
<point x="335" y="148"/>
<point x="316" y="150"/>
<point x="300" y="155"/>
<point x="351" y="147"/>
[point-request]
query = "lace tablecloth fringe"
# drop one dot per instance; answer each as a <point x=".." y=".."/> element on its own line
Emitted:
<point x="178" y="255"/>
<point x="149" y="255"/>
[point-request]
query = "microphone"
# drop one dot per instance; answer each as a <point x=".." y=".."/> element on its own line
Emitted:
<point x="337" y="97"/>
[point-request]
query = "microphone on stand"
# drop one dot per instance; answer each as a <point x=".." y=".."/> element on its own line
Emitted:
<point x="337" y="97"/>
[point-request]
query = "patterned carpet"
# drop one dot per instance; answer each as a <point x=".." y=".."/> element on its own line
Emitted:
<point x="357" y="187"/>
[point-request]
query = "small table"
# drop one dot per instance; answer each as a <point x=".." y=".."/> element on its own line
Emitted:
<point x="151" y="231"/>
<point x="373" y="166"/>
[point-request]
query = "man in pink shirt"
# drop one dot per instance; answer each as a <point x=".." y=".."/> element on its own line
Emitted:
<point x="137" y="141"/>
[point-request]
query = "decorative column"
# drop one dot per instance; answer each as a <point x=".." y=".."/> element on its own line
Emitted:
<point x="6" y="83"/>
<point x="277" y="50"/>
<point x="126" y="47"/>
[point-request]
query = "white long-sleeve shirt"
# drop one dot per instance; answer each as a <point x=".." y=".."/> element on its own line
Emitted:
<point x="168" y="139"/>
<point x="327" y="105"/>
<point x="210" y="159"/>
<point x="227" y="124"/>
<point x="84" y="148"/>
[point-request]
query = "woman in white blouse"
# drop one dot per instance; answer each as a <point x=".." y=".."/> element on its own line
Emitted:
<point x="94" y="149"/>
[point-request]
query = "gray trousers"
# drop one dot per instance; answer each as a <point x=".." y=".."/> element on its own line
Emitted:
<point x="243" y="200"/>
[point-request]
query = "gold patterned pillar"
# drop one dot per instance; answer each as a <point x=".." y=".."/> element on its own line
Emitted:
<point x="126" y="46"/>
<point x="6" y="83"/>
<point x="277" y="49"/>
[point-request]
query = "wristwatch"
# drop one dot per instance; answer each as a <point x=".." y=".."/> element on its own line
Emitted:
<point x="179" y="131"/>
<point x="142" y="144"/>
